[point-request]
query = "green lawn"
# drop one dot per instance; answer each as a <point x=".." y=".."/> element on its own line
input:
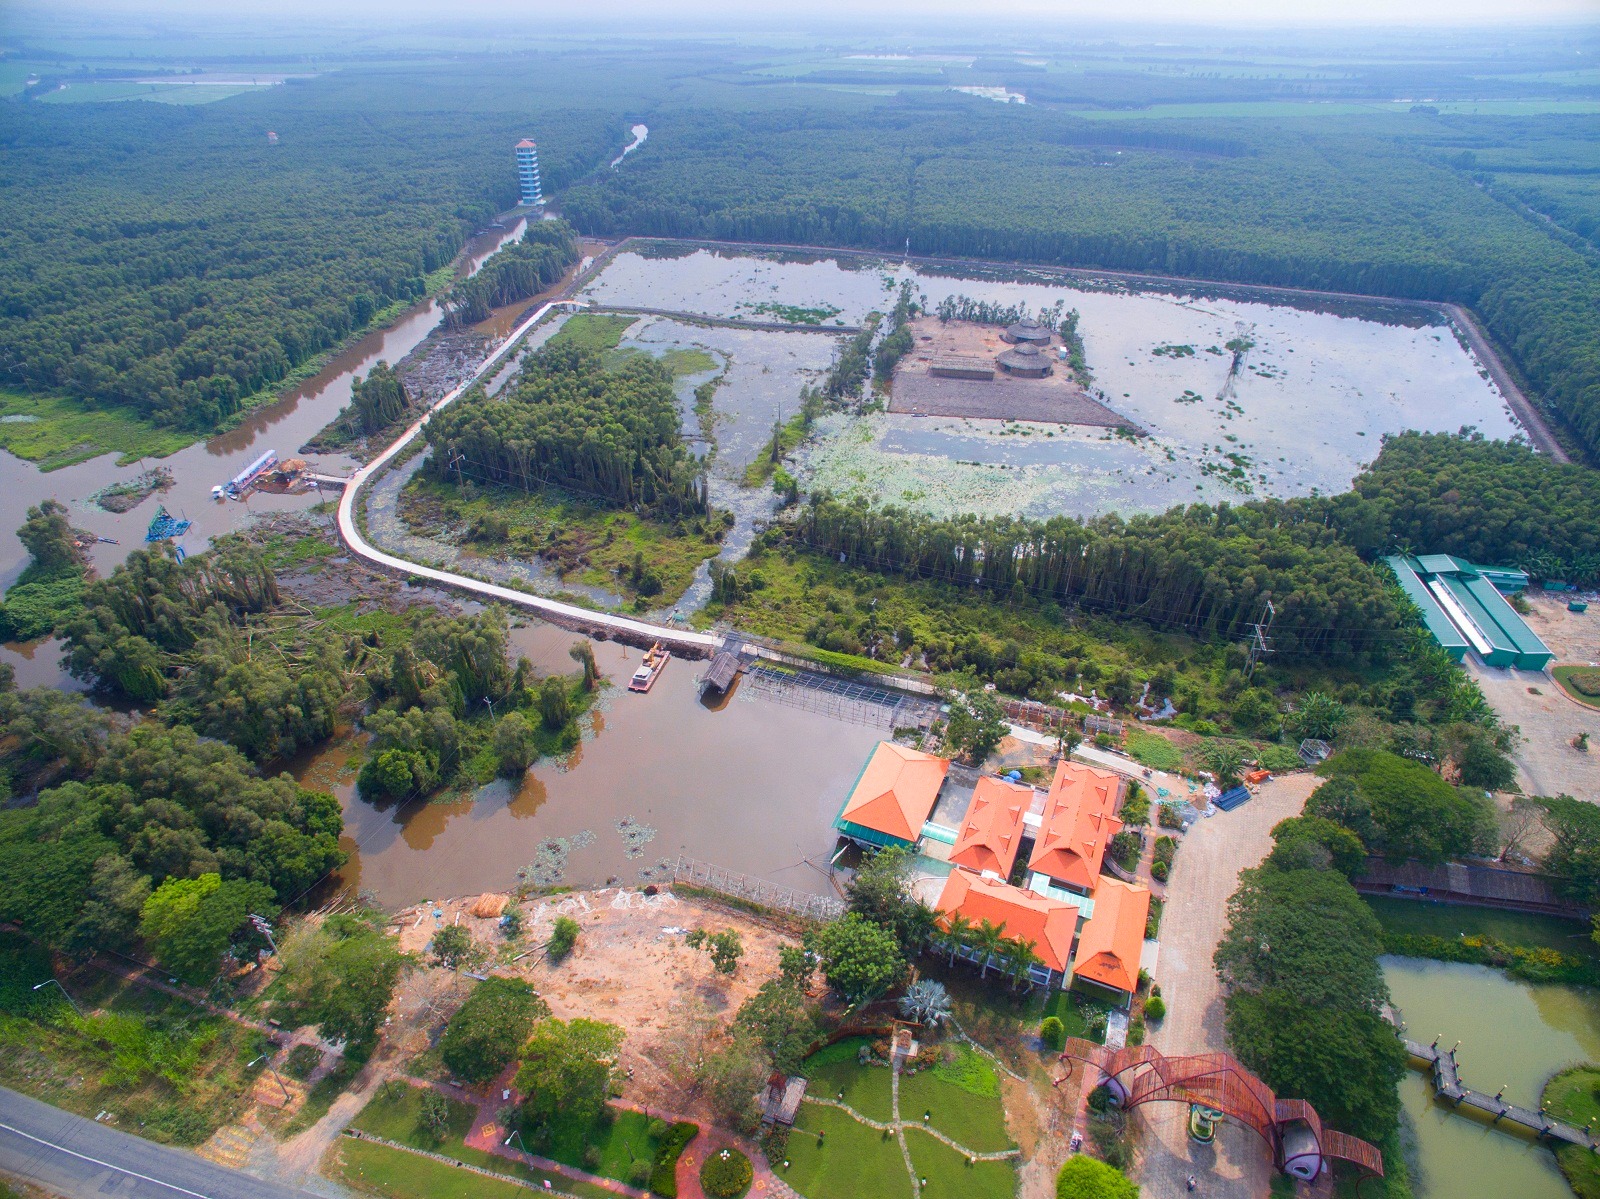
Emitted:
<point x="394" y="1111"/>
<point x="1514" y="928"/>
<point x="852" y="1162"/>
<point x="834" y="1069"/>
<point x="622" y="1141"/>
<point x="973" y="1119"/>
<point x="57" y="431"/>
<point x="1155" y="751"/>
<point x="1563" y="676"/>
<point x="392" y="1114"/>
<point x="396" y="1174"/>
<point x="950" y="1177"/>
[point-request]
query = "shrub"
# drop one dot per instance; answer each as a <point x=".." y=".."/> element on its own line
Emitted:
<point x="639" y="1173"/>
<point x="1155" y="1008"/>
<point x="562" y="938"/>
<point x="302" y="1060"/>
<point x="1084" y="1178"/>
<point x="1167" y="816"/>
<point x="1585" y="682"/>
<point x="1053" y="1033"/>
<point x="726" y="1175"/>
<point x="433" y="1117"/>
<point x="1280" y="758"/>
<point x="1160" y="870"/>
<point x="1125" y="847"/>
<point x="664" y="1173"/>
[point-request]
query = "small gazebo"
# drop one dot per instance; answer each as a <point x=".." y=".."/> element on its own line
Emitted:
<point x="1028" y="332"/>
<point x="1027" y="361"/>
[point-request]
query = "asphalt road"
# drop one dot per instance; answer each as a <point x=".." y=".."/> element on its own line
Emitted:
<point x="80" y="1159"/>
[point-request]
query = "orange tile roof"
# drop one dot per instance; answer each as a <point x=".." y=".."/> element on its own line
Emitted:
<point x="1048" y="923"/>
<point x="1079" y="821"/>
<point x="1112" y="941"/>
<point x="991" y="831"/>
<point x="896" y="791"/>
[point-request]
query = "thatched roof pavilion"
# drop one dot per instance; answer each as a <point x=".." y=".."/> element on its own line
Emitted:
<point x="1028" y="332"/>
<point x="1026" y="362"/>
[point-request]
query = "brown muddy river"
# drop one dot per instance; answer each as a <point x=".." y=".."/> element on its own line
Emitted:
<point x="752" y="786"/>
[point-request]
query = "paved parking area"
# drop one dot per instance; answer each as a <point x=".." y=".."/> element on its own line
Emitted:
<point x="1204" y="875"/>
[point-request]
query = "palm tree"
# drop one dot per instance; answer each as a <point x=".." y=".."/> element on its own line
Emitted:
<point x="919" y="926"/>
<point x="988" y="940"/>
<point x="957" y="930"/>
<point x="1020" y="958"/>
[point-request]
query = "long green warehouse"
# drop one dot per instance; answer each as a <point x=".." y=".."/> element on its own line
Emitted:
<point x="1463" y="610"/>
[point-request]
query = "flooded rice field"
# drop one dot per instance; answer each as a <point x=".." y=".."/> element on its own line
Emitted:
<point x="1304" y="408"/>
<point x="658" y="775"/>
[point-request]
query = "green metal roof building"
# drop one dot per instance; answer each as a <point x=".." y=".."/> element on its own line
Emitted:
<point x="1463" y="609"/>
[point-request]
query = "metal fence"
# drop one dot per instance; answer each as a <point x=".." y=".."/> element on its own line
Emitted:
<point x="756" y="890"/>
<point x="842" y="699"/>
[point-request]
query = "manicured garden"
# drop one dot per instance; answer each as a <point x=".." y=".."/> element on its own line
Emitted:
<point x="848" y="1161"/>
<point x="834" y="1069"/>
<point x="956" y="1088"/>
<point x="962" y="1098"/>
<point x="395" y="1113"/>
<point x="951" y="1177"/>
<point x="617" y="1145"/>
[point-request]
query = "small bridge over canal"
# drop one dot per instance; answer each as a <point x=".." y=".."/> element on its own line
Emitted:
<point x="1447" y="1085"/>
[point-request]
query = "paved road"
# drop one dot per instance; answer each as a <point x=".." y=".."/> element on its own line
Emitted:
<point x="80" y="1159"/>
<point x="566" y="614"/>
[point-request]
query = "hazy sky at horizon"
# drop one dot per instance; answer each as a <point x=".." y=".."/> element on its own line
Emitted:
<point x="1187" y="13"/>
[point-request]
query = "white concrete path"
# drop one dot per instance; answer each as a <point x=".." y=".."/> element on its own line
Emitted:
<point x="350" y="532"/>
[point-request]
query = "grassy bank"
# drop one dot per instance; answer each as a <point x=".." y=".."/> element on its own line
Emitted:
<point x="161" y="1067"/>
<point x="56" y="431"/>
<point x="1573" y="1096"/>
<point x="1532" y="947"/>
<point x="648" y="561"/>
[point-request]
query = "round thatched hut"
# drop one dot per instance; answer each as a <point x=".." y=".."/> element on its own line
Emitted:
<point x="1029" y="332"/>
<point x="1025" y="362"/>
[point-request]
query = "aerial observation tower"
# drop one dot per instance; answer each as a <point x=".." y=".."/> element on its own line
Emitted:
<point x="528" y="173"/>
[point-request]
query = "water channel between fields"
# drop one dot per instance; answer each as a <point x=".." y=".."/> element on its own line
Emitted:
<point x="1513" y="1034"/>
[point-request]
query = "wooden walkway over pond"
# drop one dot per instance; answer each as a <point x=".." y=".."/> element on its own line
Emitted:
<point x="1447" y="1085"/>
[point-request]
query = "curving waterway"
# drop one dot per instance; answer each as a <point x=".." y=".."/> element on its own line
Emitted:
<point x="1514" y="1035"/>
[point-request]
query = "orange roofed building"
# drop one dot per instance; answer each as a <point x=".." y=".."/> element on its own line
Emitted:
<point x="1078" y="823"/>
<point x="892" y="796"/>
<point x="1112" y="940"/>
<point x="991" y="832"/>
<point x="1048" y="923"/>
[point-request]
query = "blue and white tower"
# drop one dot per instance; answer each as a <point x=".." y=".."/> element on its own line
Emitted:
<point x="528" y="173"/>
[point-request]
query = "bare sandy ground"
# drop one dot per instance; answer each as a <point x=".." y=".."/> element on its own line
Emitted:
<point x="1547" y="763"/>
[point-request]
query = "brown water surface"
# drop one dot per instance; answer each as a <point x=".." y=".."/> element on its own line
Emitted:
<point x="751" y="785"/>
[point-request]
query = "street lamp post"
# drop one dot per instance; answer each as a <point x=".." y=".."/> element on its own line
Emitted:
<point x="50" y="982"/>
<point x="287" y="1098"/>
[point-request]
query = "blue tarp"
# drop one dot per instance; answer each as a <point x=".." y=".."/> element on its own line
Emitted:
<point x="1229" y="800"/>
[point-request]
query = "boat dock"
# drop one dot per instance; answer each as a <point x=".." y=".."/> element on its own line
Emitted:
<point x="1447" y="1085"/>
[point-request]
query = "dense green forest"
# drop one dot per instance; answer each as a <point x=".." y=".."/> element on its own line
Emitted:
<point x="568" y="422"/>
<point x="196" y="264"/>
<point x="514" y="272"/>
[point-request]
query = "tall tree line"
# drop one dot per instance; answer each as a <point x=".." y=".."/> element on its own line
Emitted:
<point x="514" y="272"/>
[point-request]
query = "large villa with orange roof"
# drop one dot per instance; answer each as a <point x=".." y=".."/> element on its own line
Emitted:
<point x="1018" y="857"/>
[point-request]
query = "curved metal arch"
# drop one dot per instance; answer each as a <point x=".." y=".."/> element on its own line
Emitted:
<point x="1219" y="1081"/>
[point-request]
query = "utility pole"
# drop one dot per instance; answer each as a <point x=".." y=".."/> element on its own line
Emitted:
<point x="1260" y="643"/>
<point x="264" y="927"/>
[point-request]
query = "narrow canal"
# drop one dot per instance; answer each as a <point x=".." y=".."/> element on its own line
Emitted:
<point x="1513" y="1034"/>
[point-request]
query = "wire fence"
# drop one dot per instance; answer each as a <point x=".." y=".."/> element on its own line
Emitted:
<point x="758" y="891"/>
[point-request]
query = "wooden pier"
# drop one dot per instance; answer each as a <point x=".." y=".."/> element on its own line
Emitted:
<point x="1447" y="1086"/>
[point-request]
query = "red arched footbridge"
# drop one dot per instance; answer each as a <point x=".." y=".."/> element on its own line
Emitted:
<point x="1300" y="1145"/>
